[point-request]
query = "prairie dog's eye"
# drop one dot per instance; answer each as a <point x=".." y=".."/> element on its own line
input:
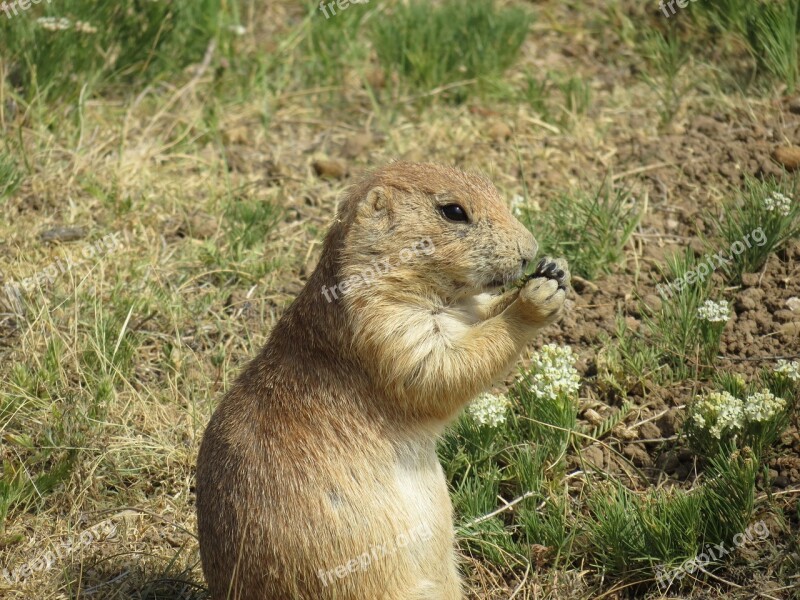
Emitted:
<point x="454" y="212"/>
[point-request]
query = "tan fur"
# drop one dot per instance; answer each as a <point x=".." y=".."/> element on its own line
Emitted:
<point x="324" y="448"/>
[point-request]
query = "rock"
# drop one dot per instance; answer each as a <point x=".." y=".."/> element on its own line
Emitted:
<point x="649" y="431"/>
<point x="707" y="126"/>
<point x="749" y="280"/>
<point x="787" y="156"/>
<point x="790" y="330"/>
<point x="652" y="302"/>
<point x="594" y="456"/>
<point x="794" y="106"/>
<point x="329" y="168"/>
<point x="749" y="299"/>
<point x="780" y="481"/>
<point x="668" y="461"/>
<point x="785" y="316"/>
<point x="376" y="78"/>
<point x="633" y="324"/>
<point x="592" y="416"/>
<point x="201" y="226"/>
<point x="499" y="132"/>
<point x="670" y="422"/>
<point x="356" y="144"/>
<point x="624" y="433"/>
<point x="63" y="234"/>
<point x="637" y="455"/>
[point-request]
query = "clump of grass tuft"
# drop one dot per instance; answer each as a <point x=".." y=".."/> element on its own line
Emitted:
<point x="758" y="223"/>
<point x="101" y="43"/>
<point x="739" y="415"/>
<point x="772" y="32"/>
<point x="334" y="43"/>
<point x="667" y="56"/>
<point x="629" y="534"/>
<point x="768" y="30"/>
<point x="628" y="363"/>
<point x="589" y="230"/>
<point x="687" y="325"/>
<point x="434" y="45"/>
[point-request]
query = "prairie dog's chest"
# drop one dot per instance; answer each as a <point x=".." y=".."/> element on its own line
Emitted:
<point x="422" y="495"/>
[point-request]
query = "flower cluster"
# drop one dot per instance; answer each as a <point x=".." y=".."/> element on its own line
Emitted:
<point x="553" y="373"/>
<point x="779" y="203"/>
<point x="790" y="369"/>
<point x="762" y="406"/>
<point x="54" y="24"/>
<point x="714" y="312"/>
<point x="517" y="205"/>
<point x="718" y="412"/>
<point x="489" y="410"/>
<point x="63" y="24"/>
<point x="721" y="412"/>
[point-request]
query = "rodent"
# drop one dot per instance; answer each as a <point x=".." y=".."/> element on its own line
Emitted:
<point x="317" y="477"/>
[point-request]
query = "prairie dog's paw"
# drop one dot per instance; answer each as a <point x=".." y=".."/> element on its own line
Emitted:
<point x="542" y="297"/>
<point x="555" y="269"/>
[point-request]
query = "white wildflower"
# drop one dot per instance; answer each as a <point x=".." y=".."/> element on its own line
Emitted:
<point x="54" y="24"/>
<point x="84" y="27"/>
<point x="714" y="312"/>
<point x="517" y="204"/>
<point x="763" y="406"/>
<point x="790" y="369"/>
<point x="553" y="373"/>
<point x="238" y="30"/>
<point x="718" y="412"/>
<point x="779" y="203"/>
<point x="489" y="410"/>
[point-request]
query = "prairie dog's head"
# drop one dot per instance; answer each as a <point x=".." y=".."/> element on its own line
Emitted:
<point x="434" y="229"/>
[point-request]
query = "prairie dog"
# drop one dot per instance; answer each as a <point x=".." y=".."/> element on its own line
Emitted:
<point x="317" y="477"/>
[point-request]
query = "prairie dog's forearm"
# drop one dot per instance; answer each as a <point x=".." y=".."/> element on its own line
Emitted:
<point x="447" y="371"/>
<point x="498" y="304"/>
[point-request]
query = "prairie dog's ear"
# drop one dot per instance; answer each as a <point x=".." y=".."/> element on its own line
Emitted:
<point x="377" y="205"/>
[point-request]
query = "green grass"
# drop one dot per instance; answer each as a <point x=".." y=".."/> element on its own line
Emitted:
<point x="751" y="226"/>
<point x="435" y="45"/>
<point x="667" y="56"/>
<point x="623" y="534"/>
<point x="767" y="30"/>
<point x="128" y="42"/>
<point x="590" y="230"/>
<point x="10" y="177"/>
<point x="334" y="44"/>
